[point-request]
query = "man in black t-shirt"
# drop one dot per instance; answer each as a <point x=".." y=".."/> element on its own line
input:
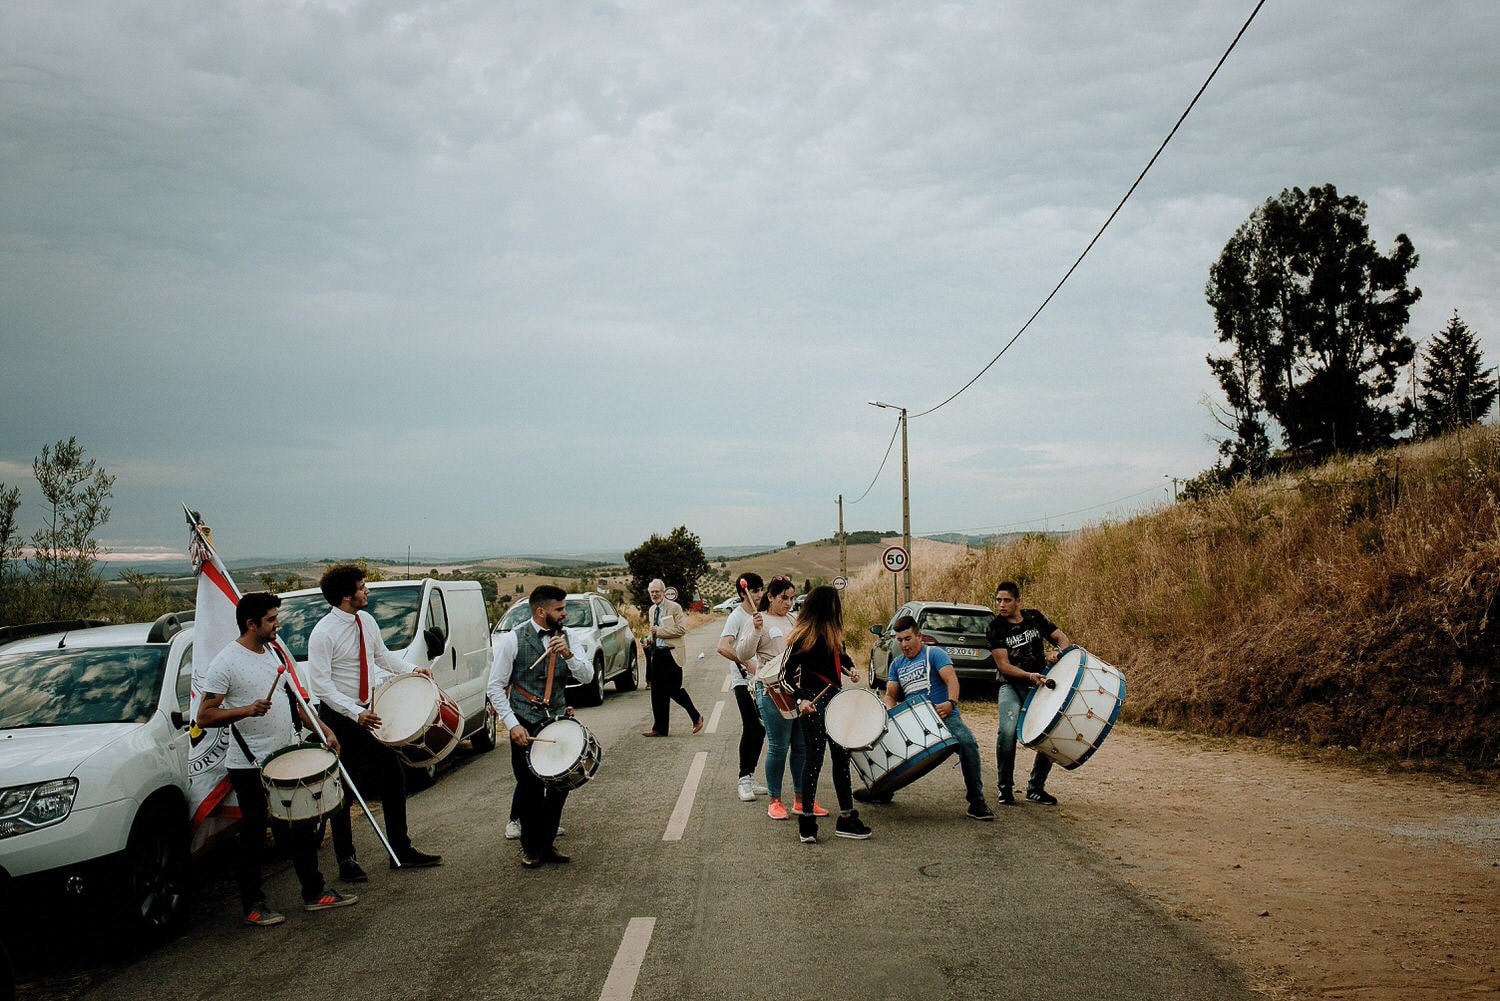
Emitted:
<point x="1016" y="637"/>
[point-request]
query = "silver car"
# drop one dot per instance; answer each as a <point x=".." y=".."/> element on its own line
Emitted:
<point x="959" y="630"/>
<point x="604" y="638"/>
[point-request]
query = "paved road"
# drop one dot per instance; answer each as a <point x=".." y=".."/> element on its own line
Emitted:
<point x="933" y="906"/>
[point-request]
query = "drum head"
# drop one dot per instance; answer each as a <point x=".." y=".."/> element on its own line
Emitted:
<point x="298" y="763"/>
<point x="568" y="740"/>
<point x="405" y="706"/>
<point x="1044" y="704"/>
<point x="855" y="718"/>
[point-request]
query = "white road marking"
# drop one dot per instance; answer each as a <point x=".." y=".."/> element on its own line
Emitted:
<point x="713" y="717"/>
<point x="620" y="984"/>
<point x="678" y="823"/>
<point x="728" y="683"/>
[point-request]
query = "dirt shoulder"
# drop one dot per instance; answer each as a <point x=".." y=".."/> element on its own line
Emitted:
<point x="1320" y="880"/>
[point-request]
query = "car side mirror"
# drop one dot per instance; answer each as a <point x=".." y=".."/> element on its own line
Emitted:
<point x="609" y="622"/>
<point x="874" y="630"/>
<point x="436" y="640"/>
<point x="179" y="720"/>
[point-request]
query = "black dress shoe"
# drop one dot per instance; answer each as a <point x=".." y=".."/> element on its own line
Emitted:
<point x="350" y="871"/>
<point x="530" y="862"/>
<point x="413" y="859"/>
<point x="557" y="857"/>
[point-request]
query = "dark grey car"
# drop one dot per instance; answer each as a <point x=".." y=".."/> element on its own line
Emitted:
<point x="957" y="629"/>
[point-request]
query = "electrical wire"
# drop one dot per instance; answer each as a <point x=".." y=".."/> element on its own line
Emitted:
<point x="1111" y="218"/>
<point x="1049" y="517"/>
<point x="882" y="464"/>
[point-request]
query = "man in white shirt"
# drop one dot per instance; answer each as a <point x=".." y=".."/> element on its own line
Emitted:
<point x="527" y="695"/>
<point x="346" y="661"/>
<point x="245" y="690"/>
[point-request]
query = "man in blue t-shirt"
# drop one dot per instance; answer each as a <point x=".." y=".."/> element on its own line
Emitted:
<point x="1018" y="638"/>
<point x="927" y="671"/>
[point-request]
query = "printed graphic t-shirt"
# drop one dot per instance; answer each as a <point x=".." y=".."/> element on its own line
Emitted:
<point x="1024" y="641"/>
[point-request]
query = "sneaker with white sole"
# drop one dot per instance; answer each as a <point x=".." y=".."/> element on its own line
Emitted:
<point x="262" y="916"/>
<point x="760" y="790"/>
<point x="330" y="899"/>
<point x="848" y="826"/>
<point x="512" y="830"/>
<point x="747" y="789"/>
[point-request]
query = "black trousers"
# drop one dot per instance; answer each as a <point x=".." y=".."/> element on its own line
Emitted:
<point x="538" y="807"/>
<point x="752" y="730"/>
<point x="301" y="840"/>
<point x="815" y="737"/>
<point x="666" y="688"/>
<point x="376" y="769"/>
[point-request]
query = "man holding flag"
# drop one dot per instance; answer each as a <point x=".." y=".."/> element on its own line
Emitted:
<point x="243" y="692"/>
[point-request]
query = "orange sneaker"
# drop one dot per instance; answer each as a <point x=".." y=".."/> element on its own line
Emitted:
<point x="817" y="810"/>
<point x="776" y="811"/>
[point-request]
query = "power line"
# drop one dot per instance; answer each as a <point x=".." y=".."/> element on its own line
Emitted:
<point x="1049" y="517"/>
<point x="1111" y="218"/>
<point x="882" y="464"/>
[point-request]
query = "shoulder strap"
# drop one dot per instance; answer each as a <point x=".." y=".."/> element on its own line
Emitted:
<point x="239" y="739"/>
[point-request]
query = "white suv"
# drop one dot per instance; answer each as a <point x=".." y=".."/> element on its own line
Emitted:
<point x="93" y="770"/>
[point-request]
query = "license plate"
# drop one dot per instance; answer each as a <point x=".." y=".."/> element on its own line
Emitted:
<point x="961" y="651"/>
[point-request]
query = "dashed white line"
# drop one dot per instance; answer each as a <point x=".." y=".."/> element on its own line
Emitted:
<point x="728" y="683"/>
<point x="678" y="823"/>
<point x="620" y="984"/>
<point x="713" y="717"/>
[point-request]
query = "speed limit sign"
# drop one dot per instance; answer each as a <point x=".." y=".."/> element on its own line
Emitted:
<point x="841" y="582"/>
<point x="671" y="594"/>
<point x="894" y="559"/>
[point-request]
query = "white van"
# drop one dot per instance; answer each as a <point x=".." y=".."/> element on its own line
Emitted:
<point x="438" y="624"/>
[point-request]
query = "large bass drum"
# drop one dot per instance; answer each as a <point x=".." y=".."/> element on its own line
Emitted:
<point x="916" y="741"/>
<point x="1067" y="720"/>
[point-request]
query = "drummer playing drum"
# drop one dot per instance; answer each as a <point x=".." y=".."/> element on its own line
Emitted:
<point x="1016" y="637"/>
<point x="928" y="671"/>
<point x="526" y="689"/>
<point x="245" y="690"/>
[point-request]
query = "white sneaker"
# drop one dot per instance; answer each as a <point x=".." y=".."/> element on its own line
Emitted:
<point x="760" y="790"/>
<point x="512" y="830"/>
<point x="561" y="832"/>
<point x="747" y="789"/>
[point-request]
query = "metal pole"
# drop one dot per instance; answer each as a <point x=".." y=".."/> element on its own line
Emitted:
<point x="843" y="548"/>
<point x="905" y="510"/>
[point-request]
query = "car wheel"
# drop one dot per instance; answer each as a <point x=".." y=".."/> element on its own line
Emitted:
<point x="628" y="681"/>
<point x="594" y="694"/>
<point x="153" y="900"/>
<point x="484" y="738"/>
<point x="874" y="682"/>
<point x="420" y="776"/>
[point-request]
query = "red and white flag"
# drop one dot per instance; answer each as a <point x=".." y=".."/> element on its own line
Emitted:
<point x="214" y="628"/>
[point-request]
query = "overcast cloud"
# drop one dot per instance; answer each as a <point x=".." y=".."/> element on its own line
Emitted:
<point x="478" y="277"/>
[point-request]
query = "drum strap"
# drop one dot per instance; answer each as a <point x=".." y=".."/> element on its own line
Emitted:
<point x="239" y="739"/>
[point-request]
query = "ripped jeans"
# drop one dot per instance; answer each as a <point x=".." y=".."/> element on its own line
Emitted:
<point x="1008" y="702"/>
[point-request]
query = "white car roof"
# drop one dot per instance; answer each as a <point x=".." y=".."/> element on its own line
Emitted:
<point x="127" y="634"/>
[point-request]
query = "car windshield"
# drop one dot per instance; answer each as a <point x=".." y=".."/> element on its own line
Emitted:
<point x="580" y="615"/>
<point x="395" y="608"/>
<point x="955" y="621"/>
<point x="118" y="684"/>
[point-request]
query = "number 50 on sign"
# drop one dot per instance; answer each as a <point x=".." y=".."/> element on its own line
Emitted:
<point x="894" y="559"/>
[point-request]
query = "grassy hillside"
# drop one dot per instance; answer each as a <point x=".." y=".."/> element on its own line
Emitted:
<point x="1353" y="605"/>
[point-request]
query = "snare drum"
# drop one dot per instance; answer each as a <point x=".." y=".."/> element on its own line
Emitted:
<point x="915" y="742"/>
<point x="420" y="720"/>
<point x="564" y="754"/>
<point x="302" y="783"/>
<point x="855" y="719"/>
<point x="1067" y="723"/>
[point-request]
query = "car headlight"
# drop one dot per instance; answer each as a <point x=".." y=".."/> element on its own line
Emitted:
<point x="29" y="808"/>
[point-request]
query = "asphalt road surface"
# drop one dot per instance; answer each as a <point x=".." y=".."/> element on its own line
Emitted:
<point x="678" y="889"/>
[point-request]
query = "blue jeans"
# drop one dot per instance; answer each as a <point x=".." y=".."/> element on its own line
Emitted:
<point x="1009" y="704"/>
<point x="968" y="757"/>
<point x="779" y="733"/>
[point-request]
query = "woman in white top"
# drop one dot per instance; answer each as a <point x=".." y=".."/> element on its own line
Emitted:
<point x="758" y="645"/>
<point x="741" y="674"/>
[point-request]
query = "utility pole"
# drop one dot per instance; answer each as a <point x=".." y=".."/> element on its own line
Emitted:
<point x="843" y="549"/>
<point x="905" y="511"/>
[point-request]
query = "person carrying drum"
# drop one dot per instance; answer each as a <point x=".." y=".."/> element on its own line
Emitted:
<point x="244" y="690"/>
<point x="816" y="663"/>
<point x="346" y="661"/>
<point x="1016" y="638"/>
<point x="923" y="670"/>
<point x="528" y="693"/>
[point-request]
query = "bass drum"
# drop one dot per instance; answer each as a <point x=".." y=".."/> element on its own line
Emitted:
<point x="564" y="754"/>
<point x="1068" y="720"/>
<point x="916" y="741"/>
<point x="302" y="783"/>
<point x="855" y="719"/>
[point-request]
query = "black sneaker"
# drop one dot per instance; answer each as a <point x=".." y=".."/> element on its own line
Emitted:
<point x="1006" y="798"/>
<point x="981" y="811"/>
<point x="1039" y="796"/>
<point x="413" y="859"/>
<point x="850" y="827"/>
<point x="807" y="829"/>
<point x="329" y="899"/>
<point x="350" y="871"/>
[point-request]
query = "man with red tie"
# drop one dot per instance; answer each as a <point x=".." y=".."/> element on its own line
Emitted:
<point x="346" y="661"/>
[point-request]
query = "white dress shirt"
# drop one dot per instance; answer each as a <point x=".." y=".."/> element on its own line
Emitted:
<point x="504" y="662"/>
<point x="333" y="660"/>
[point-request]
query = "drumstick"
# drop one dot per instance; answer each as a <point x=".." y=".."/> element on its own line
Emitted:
<point x="279" y="672"/>
<point x="544" y="740"/>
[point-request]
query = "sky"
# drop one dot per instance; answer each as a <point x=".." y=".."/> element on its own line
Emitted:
<point x="481" y="278"/>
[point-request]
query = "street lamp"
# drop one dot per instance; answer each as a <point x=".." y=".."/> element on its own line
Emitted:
<point x="905" y="499"/>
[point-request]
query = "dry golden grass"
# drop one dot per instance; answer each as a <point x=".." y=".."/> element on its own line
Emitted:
<point x="1351" y="605"/>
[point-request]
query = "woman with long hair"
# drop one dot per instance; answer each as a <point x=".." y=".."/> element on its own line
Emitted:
<point x="817" y="664"/>
<point x="746" y="618"/>
<point x="756" y="646"/>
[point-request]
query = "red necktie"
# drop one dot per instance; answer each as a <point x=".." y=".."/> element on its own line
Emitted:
<point x="364" y="663"/>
